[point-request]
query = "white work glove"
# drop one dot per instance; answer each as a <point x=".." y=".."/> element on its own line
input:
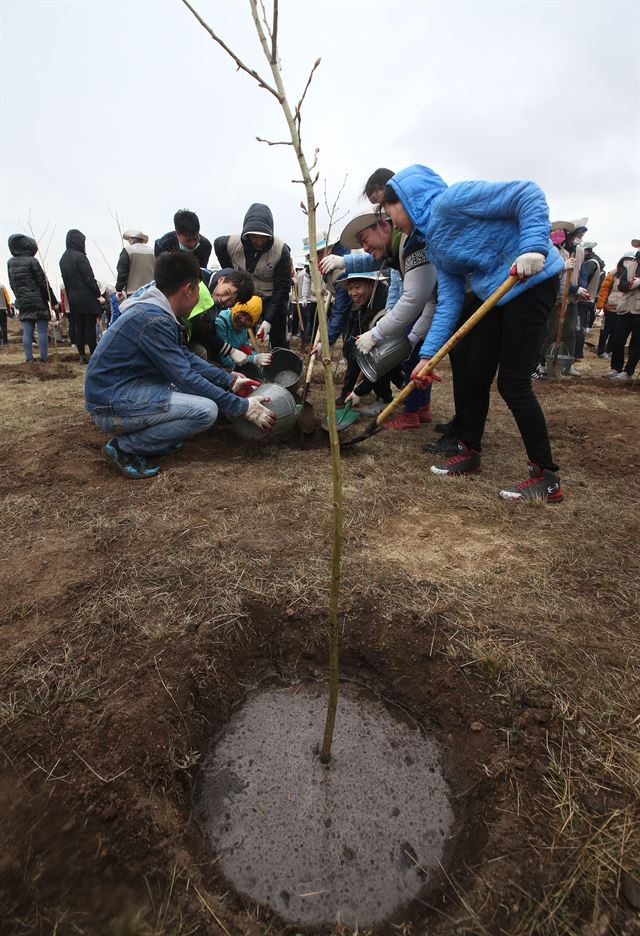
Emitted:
<point x="366" y="343"/>
<point x="570" y="263"/>
<point x="259" y="415"/>
<point x="237" y="356"/>
<point x="263" y="331"/>
<point x="527" y="264"/>
<point x="242" y="386"/>
<point x="121" y="296"/>
<point x="262" y="359"/>
<point x="634" y="283"/>
<point x="583" y="294"/>
<point x="331" y="263"/>
<point x="354" y="399"/>
<point x="317" y="349"/>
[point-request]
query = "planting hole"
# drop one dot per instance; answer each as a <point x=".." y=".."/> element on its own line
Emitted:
<point x="353" y="842"/>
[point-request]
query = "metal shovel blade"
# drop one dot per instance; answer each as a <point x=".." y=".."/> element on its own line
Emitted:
<point x="306" y="417"/>
<point x="559" y="362"/>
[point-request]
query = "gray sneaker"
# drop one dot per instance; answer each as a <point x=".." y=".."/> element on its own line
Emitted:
<point x="622" y="377"/>
<point x="610" y="374"/>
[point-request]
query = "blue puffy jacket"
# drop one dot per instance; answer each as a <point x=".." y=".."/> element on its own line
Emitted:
<point x="474" y="229"/>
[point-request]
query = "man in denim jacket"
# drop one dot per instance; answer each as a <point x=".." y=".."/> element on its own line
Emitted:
<point x="148" y="390"/>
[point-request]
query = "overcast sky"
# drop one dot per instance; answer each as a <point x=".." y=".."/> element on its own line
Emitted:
<point x="129" y="107"/>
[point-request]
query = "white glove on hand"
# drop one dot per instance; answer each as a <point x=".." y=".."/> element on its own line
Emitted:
<point x="263" y="331"/>
<point x="317" y="349"/>
<point x="528" y="264"/>
<point x="570" y="263"/>
<point x="331" y="263"/>
<point x="262" y="359"/>
<point x="238" y="357"/>
<point x="259" y="415"/>
<point x="635" y="282"/>
<point x="366" y="343"/>
<point x="354" y="399"/>
<point x="583" y="294"/>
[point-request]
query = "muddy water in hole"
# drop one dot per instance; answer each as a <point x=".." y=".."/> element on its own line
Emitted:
<point x="354" y="842"/>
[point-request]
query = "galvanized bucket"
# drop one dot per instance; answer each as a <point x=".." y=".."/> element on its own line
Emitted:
<point x="286" y="369"/>
<point x="281" y="403"/>
<point x="251" y="370"/>
<point x="384" y="357"/>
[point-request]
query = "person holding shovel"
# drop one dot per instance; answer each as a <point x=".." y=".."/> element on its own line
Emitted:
<point x="487" y="231"/>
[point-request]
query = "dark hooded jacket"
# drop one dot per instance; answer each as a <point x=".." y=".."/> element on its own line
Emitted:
<point x="169" y="243"/>
<point x="259" y="220"/>
<point x="28" y="281"/>
<point x="77" y="275"/>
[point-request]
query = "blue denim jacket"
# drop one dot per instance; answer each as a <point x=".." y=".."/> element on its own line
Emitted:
<point x="139" y="362"/>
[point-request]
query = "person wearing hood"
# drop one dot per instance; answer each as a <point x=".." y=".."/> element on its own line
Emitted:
<point x="482" y="232"/>
<point x="33" y="294"/>
<point x="82" y="291"/>
<point x="143" y="386"/>
<point x="258" y="251"/>
<point x="185" y="237"/>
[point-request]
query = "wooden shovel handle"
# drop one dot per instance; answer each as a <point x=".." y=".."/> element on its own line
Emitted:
<point x="464" y="329"/>
<point x="563" y="306"/>
<point x="312" y="359"/>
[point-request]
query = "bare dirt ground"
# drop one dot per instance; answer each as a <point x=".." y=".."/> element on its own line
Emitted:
<point x="135" y="615"/>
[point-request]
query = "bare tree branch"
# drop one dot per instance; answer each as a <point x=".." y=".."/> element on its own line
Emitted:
<point x="331" y="211"/>
<point x="274" y="34"/>
<point x="264" y="18"/>
<point x="274" y="142"/>
<point x="250" y="71"/>
<point x="306" y="88"/>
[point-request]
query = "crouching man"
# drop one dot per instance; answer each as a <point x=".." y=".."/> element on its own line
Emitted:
<point x="148" y="390"/>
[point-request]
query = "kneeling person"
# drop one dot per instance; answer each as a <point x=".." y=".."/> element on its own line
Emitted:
<point x="149" y="390"/>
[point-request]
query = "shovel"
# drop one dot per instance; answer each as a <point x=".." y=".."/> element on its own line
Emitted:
<point x="559" y="360"/>
<point x="433" y="362"/>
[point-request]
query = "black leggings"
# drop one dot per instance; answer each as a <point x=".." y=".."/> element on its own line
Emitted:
<point x="86" y="332"/>
<point x="507" y="342"/>
<point x="626" y="325"/>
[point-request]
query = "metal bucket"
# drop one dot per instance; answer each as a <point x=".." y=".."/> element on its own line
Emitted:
<point x="285" y="369"/>
<point x="384" y="357"/>
<point x="281" y="403"/>
<point x="251" y="370"/>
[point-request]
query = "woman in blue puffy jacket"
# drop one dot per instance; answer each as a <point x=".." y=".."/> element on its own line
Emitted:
<point x="476" y="233"/>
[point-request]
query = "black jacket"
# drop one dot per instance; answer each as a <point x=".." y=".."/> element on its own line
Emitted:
<point x="168" y="243"/>
<point x="259" y="220"/>
<point x="28" y="281"/>
<point x="77" y="276"/>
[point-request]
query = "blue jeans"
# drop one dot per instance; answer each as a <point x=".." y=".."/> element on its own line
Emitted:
<point x="143" y="435"/>
<point x="28" y="330"/>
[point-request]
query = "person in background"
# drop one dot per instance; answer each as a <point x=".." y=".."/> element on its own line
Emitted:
<point x="588" y="280"/>
<point x="5" y="308"/>
<point x="609" y="296"/>
<point x="83" y="293"/>
<point x="33" y="294"/>
<point x="135" y="264"/>
<point x="185" y="237"/>
<point x="268" y="259"/>
<point x="147" y="389"/>
<point x="627" y="320"/>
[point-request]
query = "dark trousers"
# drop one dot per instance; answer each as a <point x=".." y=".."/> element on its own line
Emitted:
<point x="581" y="328"/>
<point x="605" y="341"/>
<point x="507" y="342"/>
<point x="86" y="333"/>
<point x="278" y="334"/>
<point x="308" y="318"/>
<point x="3" y="327"/>
<point x="626" y="325"/>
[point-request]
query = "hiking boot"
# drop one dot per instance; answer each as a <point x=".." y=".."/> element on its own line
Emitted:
<point x="465" y="462"/>
<point x="403" y="421"/>
<point x="622" y="377"/>
<point x="131" y="466"/>
<point x="424" y="413"/>
<point x="445" y="428"/>
<point x="611" y="373"/>
<point x="446" y="446"/>
<point x="541" y="485"/>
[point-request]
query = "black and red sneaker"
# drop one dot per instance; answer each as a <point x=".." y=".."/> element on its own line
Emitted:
<point x="542" y="485"/>
<point x="465" y="462"/>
